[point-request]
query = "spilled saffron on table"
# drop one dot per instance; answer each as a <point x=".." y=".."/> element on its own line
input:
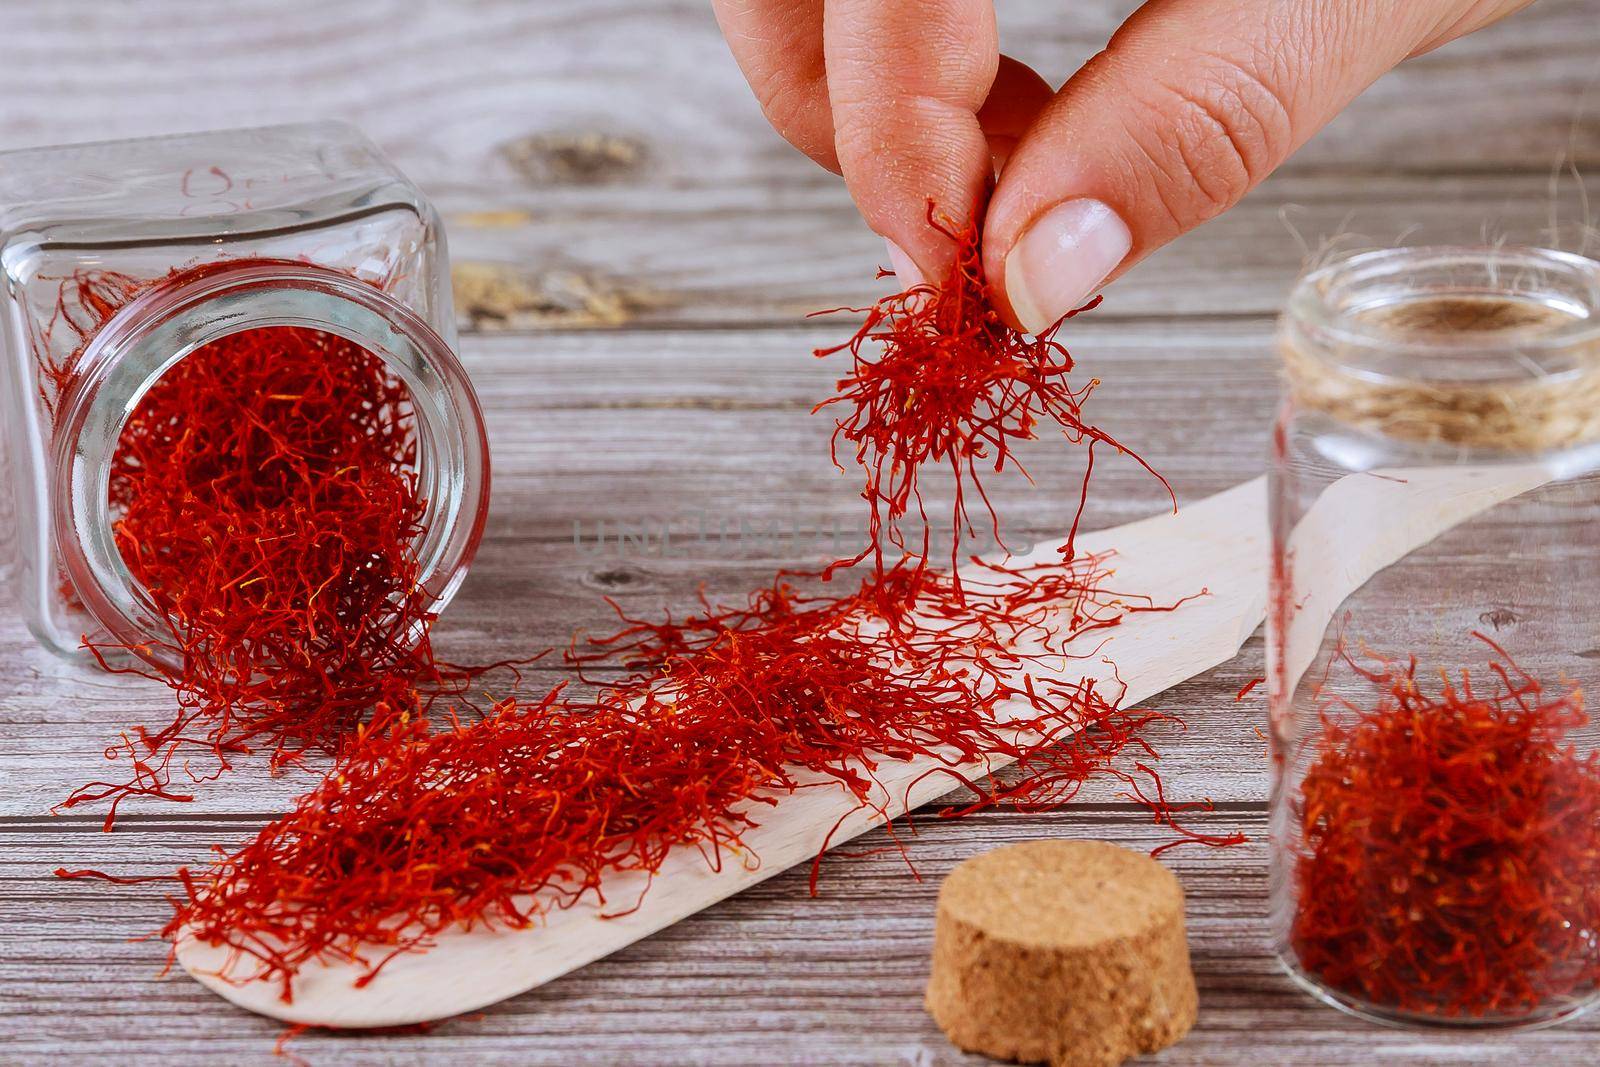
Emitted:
<point x="501" y="820"/>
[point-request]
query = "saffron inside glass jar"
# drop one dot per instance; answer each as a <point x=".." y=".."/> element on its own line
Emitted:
<point x="265" y="499"/>
<point x="123" y="260"/>
<point x="1436" y="774"/>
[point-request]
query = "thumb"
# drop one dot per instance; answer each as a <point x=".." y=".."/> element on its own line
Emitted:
<point x="1190" y="105"/>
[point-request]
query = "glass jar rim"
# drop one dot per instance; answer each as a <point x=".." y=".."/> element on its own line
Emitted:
<point x="1489" y="347"/>
<point x="1330" y="309"/>
<point x="194" y="308"/>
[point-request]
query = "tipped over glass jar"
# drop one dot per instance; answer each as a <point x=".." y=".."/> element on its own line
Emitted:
<point x="120" y="259"/>
<point x="1436" y="793"/>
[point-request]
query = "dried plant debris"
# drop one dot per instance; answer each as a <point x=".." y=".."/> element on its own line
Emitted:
<point x="503" y="296"/>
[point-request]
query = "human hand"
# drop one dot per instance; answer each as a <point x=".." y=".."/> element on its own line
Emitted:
<point x="1190" y="105"/>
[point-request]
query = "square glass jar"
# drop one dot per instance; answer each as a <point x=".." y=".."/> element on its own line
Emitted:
<point x="119" y="258"/>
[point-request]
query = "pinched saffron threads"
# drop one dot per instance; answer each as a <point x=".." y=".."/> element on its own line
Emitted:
<point x="1450" y="861"/>
<point x="937" y="378"/>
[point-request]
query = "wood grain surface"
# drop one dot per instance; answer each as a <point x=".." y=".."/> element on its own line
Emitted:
<point x="635" y="250"/>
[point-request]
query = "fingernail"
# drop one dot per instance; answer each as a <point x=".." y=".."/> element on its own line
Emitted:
<point x="905" y="268"/>
<point x="1062" y="259"/>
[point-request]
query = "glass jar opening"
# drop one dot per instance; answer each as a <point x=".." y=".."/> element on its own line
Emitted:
<point x="1489" y="348"/>
<point x="1450" y="315"/>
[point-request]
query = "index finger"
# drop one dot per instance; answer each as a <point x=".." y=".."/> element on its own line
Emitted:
<point x="906" y="79"/>
<point x="778" y="46"/>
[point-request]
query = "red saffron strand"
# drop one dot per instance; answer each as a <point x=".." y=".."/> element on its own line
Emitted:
<point x="1450" y="863"/>
<point x="280" y="1047"/>
<point x="101" y="876"/>
<point x="85" y="303"/>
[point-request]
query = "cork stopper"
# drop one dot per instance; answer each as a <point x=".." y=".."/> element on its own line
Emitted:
<point x="1064" y="952"/>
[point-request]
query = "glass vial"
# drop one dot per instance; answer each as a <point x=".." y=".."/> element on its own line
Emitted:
<point x="118" y="259"/>
<point x="1436" y="792"/>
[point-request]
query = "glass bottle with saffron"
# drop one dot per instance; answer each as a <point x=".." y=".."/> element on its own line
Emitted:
<point x="1436" y="792"/>
<point x="230" y="394"/>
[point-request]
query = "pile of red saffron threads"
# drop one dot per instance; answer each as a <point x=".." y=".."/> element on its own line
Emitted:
<point x="1450" y="863"/>
<point x="533" y="808"/>
<point x="424" y="826"/>
<point x="265" y="496"/>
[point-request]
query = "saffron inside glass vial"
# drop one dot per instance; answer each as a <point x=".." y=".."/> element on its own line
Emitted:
<point x="1436" y="770"/>
<point x="124" y="260"/>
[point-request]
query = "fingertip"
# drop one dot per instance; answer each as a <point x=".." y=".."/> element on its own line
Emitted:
<point x="1058" y="262"/>
<point x="918" y="251"/>
<point x="905" y="81"/>
<point x="994" y="263"/>
<point x="906" y="271"/>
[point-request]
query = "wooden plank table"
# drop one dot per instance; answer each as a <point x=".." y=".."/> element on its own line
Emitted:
<point x="634" y="253"/>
